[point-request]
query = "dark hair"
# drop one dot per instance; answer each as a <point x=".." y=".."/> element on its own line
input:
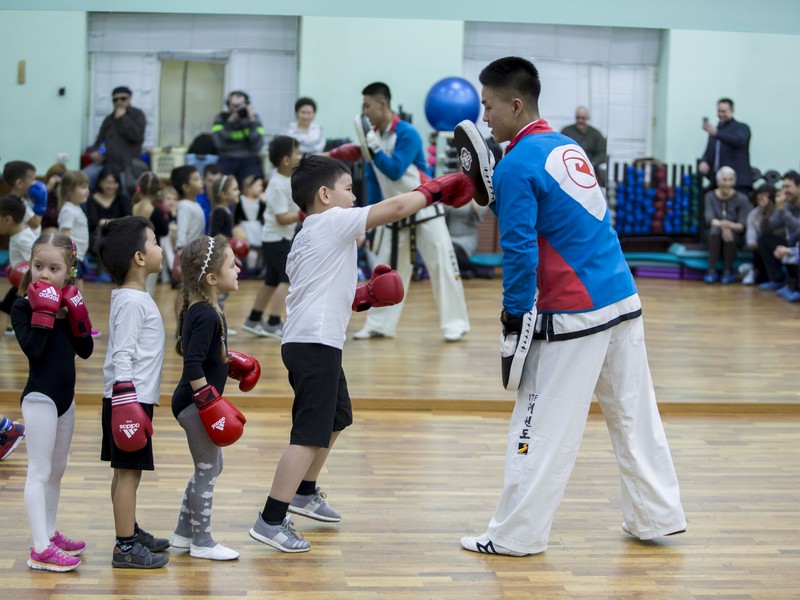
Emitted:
<point x="304" y="101"/>
<point x="378" y="89"/>
<point x="312" y="173"/>
<point x="727" y="101"/>
<point x="120" y="240"/>
<point x="793" y="176"/>
<point x="16" y="169"/>
<point x="58" y="240"/>
<point x="240" y="93"/>
<point x="105" y="174"/>
<point x="281" y="146"/>
<point x="220" y="186"/>
<point x="122" y="89"/>
<point x="515" y="75"/>
<point x="212" y="169"/>
<point x="193" y="263"/>
<point x="766" y="188"/>
<point x="69" y="181"/>
<point x="180" y="176"/>
<point x="148" y="186"/>
<point x="12" y="206"/>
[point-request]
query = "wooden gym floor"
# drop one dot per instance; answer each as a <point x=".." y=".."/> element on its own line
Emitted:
<point x="422" y="466"/>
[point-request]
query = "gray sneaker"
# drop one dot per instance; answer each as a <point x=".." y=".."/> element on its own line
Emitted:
<point x="314" y="507"/>
<point x="261" y="329"/>
<point x="138" y="557"/>
<point x="151" y="542"/>
<point x="283" y="536"/>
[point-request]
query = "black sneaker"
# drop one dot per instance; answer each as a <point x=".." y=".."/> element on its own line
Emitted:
<point x="138" y="557"/>
<point x="152" y="543"/>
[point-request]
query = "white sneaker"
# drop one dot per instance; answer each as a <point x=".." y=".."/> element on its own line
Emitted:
<point x="483" y="545"/>
<point x="218" y="552"/>
<point x="231" y="332"/>
<point x="749" y="277"/>
<point x="367" y="334"/>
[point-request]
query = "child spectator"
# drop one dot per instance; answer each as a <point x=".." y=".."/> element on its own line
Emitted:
<point x="132" y="378"/>
<point x="190" y="218"/>
<point x="208" y="419"/>
<point x="223" y="194"/>
<point x="20" y="243"/>
<point x="169" y="206"/>
<point x="72" y="221"/>
<point x="211" y="174"/>
<point x="20" y="175"/>
<point x="145" y="204"/>
<point x="52" y="326"/>
<point x="52" y="180"/>
<point x="322" y="270"/>
<point x="249" y="214"/>
<point x="280" y="220"/>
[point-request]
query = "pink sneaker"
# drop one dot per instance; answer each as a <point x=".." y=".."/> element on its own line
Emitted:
<point x="53" y="558"/>
<point x="10" y="439"/>
<point x="68" y="546"/>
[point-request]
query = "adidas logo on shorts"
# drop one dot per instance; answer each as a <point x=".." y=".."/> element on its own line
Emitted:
<point x="219" y="424"/>
<point x="50" y="293"/>
<point x="129" y="429"/>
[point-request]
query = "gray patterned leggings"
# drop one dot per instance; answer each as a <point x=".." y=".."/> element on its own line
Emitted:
<point x="194" y="520"/>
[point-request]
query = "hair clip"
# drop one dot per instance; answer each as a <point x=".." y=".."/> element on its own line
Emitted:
<point x="208" y="258"/>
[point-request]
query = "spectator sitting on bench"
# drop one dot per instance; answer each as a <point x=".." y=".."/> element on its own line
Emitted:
<point x="726" y="213"/>
<point x="757" y="225"/>
<point x="786" y="219"/>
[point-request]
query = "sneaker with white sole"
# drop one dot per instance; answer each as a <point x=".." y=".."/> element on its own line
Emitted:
<point x="53" y="558"/>
<point x="138" y="557"/>
<point x="10" y="439"/>
<point x="218" y="552"/>
<point x="483" y="545"/>
<point x="151" y="542"/>
<point x="314" y="507"/>
<point x="283" y="536"/>
<point x="368" y="334"/>
<point x="261" y="329"/>
<point x="454" y="336"/>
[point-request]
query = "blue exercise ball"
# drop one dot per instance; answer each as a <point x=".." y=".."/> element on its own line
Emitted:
<point x="450" y="101"/>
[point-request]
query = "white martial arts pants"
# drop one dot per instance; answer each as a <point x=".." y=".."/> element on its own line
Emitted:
<point x="436" y="248"/>
<point x="547" y="426"/>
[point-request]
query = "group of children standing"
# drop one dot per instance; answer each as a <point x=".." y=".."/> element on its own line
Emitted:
<point x="52" y="325"/>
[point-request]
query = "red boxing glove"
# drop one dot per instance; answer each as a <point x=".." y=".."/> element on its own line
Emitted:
<point x="385" y="288"/>
<point x="454" y="189"/>
<point x="45" y="301"/>
<point x="77" y="313"/>
<point x="240" y="248"/>
<point x="15" y="274"/>
<point x="244" y="369"/>
<point x="130" y="425"/>
<point x="346" y="152"/>
<point x="222" y="420"/>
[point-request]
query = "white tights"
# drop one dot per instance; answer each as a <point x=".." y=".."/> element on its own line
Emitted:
<point x="48" y="438"/>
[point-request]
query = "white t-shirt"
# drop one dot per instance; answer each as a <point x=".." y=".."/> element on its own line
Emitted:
<point x="323" y="275"/>
<point x="191" y="222"/>
<point x="279" y="201"/>
<point x="73" y="218"/>
<point x="20" y="245"/>
<point x="135" y="344"/>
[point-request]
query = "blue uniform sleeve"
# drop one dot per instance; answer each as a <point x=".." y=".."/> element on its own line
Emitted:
<point x="374" y="193"/>
<point x="516" y="207"/>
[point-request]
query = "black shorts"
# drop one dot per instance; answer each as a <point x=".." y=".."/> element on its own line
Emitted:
<point x="141" y="460"/>
<point x="275" y="255"/>
<point x="321" y="399"/>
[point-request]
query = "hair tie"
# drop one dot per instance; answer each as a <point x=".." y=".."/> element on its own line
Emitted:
<point x="208" y="258"/>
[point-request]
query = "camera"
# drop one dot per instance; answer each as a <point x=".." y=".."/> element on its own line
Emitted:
<point x="242" y="111"/>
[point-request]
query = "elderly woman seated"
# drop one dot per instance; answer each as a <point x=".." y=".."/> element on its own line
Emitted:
<point x="726" y="213"/>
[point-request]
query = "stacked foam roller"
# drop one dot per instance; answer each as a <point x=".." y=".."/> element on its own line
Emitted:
<point x="634" y="203"/>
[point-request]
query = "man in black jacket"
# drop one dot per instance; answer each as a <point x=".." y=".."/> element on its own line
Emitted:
<point x="728" y="146"/>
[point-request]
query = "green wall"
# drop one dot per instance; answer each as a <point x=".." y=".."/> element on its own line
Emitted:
<point x="36" y="124"/>
<point x="340" y="56"/>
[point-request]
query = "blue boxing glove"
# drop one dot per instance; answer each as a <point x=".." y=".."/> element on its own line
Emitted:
<point x="38" y="193"/>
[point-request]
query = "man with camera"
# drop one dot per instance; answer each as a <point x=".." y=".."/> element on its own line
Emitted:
<point x="238" y="136"/>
